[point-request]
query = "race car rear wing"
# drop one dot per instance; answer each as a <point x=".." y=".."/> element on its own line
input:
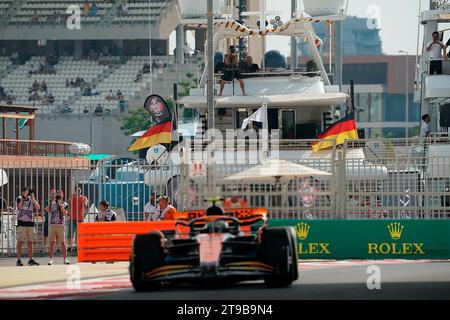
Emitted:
<point x="246" y="216"/>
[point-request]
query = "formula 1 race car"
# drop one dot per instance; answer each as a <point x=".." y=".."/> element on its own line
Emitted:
<point x="215" y="248"/>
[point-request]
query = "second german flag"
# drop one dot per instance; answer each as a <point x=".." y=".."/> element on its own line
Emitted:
<point x="344" y="129"/>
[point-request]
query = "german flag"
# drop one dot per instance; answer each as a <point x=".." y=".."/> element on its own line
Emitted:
<point x="340" y="131"/>
<point x="160" y="133"/>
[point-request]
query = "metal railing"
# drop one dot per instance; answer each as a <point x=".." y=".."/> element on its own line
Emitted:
<point x="127" y="186"/>
<point x="12" y="147"/>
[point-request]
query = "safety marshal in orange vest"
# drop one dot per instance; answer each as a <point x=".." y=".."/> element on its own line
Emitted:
<point x="165" y="211"/>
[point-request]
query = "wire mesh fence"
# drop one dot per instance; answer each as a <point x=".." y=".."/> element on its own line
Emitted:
<point x="363" y="179"/>
<point x="127" y="185"/>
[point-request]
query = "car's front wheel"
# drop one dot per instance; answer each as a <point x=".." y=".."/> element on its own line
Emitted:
<point x="278" y="250"/>
<point x="147" y="254"/>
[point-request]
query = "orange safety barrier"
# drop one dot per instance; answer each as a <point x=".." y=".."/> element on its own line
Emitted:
<point x="111" y="241"/>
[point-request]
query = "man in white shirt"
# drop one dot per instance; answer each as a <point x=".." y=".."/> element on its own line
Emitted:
<point x="94" y="91"/>
<point x="150" y="210"/>
<point x="435" y="49"/>
<point x="425" y="128"/>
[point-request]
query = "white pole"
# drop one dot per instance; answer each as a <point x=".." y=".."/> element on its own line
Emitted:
<point x="330" y="49"/>
<point x="262" y="27"/>
<point x="406" y="92"/>
<point x="418" y="39"/>
<point x="210" y="66"/>
<point x="150" y="46"/>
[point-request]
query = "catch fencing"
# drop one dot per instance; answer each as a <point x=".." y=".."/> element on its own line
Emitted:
<point x="363" y="179"/>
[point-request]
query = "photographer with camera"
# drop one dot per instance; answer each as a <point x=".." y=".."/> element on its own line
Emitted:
<point x="26" y="204"/>
<point x="57" y="211"/>
<point x="231" y="70"/>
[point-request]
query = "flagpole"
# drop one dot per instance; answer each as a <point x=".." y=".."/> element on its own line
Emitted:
<point x="210" y="64"/>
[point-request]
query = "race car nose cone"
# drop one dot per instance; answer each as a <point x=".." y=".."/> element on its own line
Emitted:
<point x="208" y="269"/>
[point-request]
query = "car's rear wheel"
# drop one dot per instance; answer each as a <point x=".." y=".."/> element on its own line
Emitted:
<point x="278" y="250"/>
<point x="147" y="255"/>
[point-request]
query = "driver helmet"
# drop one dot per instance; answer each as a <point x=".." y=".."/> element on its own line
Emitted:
<point x="221" y="226"/>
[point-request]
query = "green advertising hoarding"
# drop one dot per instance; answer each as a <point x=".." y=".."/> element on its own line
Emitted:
<point x="364" y="239"/>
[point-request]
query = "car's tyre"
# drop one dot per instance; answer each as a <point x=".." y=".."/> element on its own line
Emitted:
<point x="295" y="256"/>
<point x="278" y="250"/>
<point x="147" y="254"/>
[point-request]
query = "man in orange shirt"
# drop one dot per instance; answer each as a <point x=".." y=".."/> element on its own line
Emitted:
<point x="234" y="202"/>
<point x="78" y="203"/>
<point x="165" y="211"/>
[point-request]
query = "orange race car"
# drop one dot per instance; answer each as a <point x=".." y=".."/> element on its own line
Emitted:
<point x="213" y="246"/>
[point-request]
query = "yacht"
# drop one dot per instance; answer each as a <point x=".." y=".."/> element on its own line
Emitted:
<point x="301" y="102"/>
<point x="433" y="91"/>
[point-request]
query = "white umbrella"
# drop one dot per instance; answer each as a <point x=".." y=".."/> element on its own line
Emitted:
<point x="276" y="169"/>
<point x="3" y="177"/>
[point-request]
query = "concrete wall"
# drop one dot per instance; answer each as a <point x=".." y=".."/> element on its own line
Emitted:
<point x="108" y="138"/>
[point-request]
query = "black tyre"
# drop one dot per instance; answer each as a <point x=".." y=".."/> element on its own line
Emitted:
<point x="295" y="250"/>
<point x="147" y="255"/>
<point x="278" y="250"/>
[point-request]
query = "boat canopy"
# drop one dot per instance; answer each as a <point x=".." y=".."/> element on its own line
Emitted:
<point x="278" y="100"/>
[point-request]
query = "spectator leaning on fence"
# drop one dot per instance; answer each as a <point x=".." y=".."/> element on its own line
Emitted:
<point x="26" y="204"/>
<point x="105" y="214"/>
<point x="78" y="205"/>
<point x="57" y="211"/>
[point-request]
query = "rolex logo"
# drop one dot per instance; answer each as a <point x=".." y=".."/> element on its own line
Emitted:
<point x="302" y="230"/>
<point x="395" y="230"/>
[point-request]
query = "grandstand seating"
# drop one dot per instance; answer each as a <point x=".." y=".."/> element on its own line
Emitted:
<point x="46" y="9"/>
<point x="20" y="81"/>
<point x="5" y="62"/>
<point x="122" y="79"/>
<point x="117" y="77"/>
<point x="141" y="11"/>
<point x="4" y="5"/>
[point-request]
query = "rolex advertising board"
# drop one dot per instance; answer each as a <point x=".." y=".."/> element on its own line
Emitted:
<point x="362" y="239"/>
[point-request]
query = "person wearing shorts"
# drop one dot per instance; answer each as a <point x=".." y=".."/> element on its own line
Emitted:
<point x="57" y="211"/>
<point x="46" y="223"/>
<point x="231" y="70"/>
<point x="26" y="204"/>
<point x="78" y="205"/>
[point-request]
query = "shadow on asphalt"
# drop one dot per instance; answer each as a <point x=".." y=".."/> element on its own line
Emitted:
<point x="298" y="291"/>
